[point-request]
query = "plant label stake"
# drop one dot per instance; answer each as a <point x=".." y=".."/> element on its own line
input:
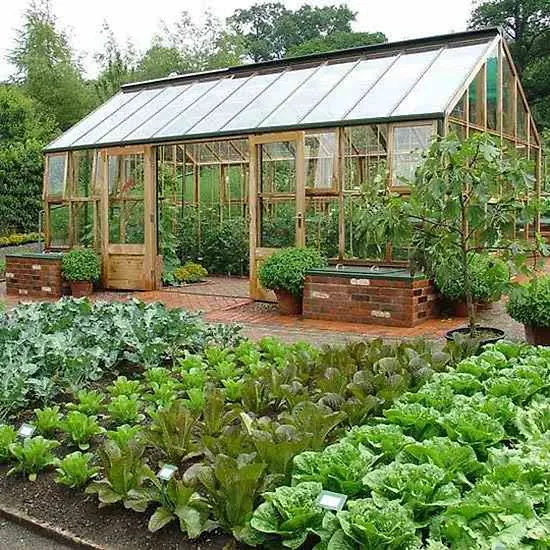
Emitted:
<point x="167" y="472"/>
<point x="331" y="501"/>
<point x="26" y="430"/>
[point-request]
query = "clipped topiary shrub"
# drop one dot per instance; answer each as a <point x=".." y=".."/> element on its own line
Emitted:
<point x="81" y="264"/>
<point x="286" y="269"/>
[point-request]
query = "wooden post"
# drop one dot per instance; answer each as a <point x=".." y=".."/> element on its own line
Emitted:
<point x="150" y="217"/>
<point x="252" y="208"/>
<point x="300" y="190"/>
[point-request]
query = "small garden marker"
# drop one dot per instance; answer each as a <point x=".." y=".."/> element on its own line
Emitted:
<point x="332" y="501"/>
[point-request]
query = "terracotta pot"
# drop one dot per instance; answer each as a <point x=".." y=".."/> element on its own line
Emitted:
<point x="288" y="303"/>
<point x="79" y="289"/>
<point x="537" y="336"/>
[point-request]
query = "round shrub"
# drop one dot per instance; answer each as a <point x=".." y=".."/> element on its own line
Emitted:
<point x="81" y="264"/>
<point x="190" y="272"/>
<point x="286" y="269"/>
<point x="530" y="303"/>
<point x="490" y="277"/>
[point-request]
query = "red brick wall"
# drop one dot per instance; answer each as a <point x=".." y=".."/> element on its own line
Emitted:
<point x="374" y="301"/>
<point x="34" y="277"/>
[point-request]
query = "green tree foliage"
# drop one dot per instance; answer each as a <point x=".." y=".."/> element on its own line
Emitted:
<point x="526" y="24"/>
<point x="337" y="41"/>
<point x="23" y="131"/>
<point x="47" y="68"/>
<point x="271" y="30"/>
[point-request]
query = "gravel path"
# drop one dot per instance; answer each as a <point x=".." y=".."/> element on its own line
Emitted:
<point x="16" y="537"/>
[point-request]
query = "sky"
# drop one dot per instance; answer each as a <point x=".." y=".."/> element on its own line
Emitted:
<point x="138" y="20"/>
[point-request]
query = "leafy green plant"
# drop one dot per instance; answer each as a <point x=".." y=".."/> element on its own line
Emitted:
<point x="123" y="386"/>
<point x="171" y="431"/>
<point x="158" y="375"/>
<point x="8" y="436"/>
<point x="32" y="456"/>
<point x="232" y="487"/>
<point x="368" y="524"/>
<point x="89" y="402"/>
<point x="48" y="420"/>
<point x="286" y="269"/>
<point x="123" y="470"/>
<point x="124" y="409"/>
<point x="177" y="502"/>
<point x="489" y="278"/>
<point x="81" y="264"/>
<point x="190" y="272"/>
<point x="75" y="470"/>
<point x="124" y="434"/>
<point x="288" y="516"/>
<point x="530" y="303"/>
<point x="81" y="428"/>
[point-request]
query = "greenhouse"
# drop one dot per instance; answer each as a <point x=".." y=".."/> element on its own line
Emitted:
<point x="227" y="166"/>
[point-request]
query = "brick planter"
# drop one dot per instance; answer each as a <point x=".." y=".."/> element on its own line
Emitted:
<point x="358" y="296"/>
<point x="34" y="275"/>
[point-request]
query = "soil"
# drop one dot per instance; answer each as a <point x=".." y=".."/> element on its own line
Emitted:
<point x="112" y="527"/>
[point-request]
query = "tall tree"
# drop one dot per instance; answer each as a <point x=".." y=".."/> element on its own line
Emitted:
<point x="526" y="24"/>
<point x="271" y="30"/>
<point x="337" y="41"/>
<point x="47" y="67"/>
<point x="24" y="128"/>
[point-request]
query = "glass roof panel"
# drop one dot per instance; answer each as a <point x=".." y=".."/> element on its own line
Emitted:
<point x="202" y="107"/>
<point x="272" y="97"/>
<point x="304" y="99"/>
<point x="143" y="115"/>
<point x="190" y="93"/>
<point x="126" y="111"/>
<point x="349" y="91"/>
<point x="246" y="94"/>
<point x="92" y="120"/>
<point x="437" y="87"/>
<point x="393" y="86"/>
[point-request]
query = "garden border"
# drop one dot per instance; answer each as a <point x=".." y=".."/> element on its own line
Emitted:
<point x="46" y="529"/>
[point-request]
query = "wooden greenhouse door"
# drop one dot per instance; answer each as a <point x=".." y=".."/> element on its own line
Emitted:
<point x="276" y="200"/>
<point x="129" y="218"/>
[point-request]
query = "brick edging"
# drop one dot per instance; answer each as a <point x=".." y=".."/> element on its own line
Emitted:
<point x="46" y="529"/>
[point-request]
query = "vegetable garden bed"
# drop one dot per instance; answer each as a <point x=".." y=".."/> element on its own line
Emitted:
<point x="431" y="452"/>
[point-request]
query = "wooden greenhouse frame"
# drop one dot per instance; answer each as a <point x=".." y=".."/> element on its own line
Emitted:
<point x="227" y="144"/>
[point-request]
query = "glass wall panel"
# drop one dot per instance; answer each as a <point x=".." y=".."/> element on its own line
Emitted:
<point x="126" y="214"/>
<point x="83" y="167"/>
<point x="277" y="222"/>
<point x="458" y="129"/>
<point x="320" y="160"/>
<point x="508" y="98"/>
<point x="56" y="175"/>
<point x="523" y="119"/>
<point x="492" y="89"/>
<point x="365" y="154"/>
<point x="409" y="142"/>
<point x="322" y="214"/>
<point x="358" y="245"/>
<point x="59" y="225"/>
<point x="460" y="110"/>
<point x="83" y="214"/>
<point x="476" y="97"/>
<point x="278" y="167"/>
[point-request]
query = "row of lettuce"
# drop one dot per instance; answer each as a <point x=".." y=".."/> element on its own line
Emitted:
<point x="432" y="450"/>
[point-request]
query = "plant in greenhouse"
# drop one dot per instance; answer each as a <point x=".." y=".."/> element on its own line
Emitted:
<point x="465" y="199"/>
<point x="190" y="272"/>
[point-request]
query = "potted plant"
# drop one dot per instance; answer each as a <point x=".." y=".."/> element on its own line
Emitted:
<point x="190" y="272"/>
<point x="284" y="272"/>
<point x="465" y="199"/>
<point x="489" y="275"/>
<point x="81" y="267"/>
<point x="529" y="304"/>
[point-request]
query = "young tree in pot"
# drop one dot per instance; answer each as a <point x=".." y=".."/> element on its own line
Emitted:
<point x="530" y="304"/>
<point x="465" y="199"/>
<point x="81" y="267"/>
<point x="284" y="272"/>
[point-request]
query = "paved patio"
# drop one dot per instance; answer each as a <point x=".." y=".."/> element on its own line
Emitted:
<point x="225" y="300"/>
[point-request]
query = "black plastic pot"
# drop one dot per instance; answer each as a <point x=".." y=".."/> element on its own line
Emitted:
<point x="498" y="334"/>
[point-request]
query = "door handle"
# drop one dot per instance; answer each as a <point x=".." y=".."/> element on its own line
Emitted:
<point x="300" y="218"/>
